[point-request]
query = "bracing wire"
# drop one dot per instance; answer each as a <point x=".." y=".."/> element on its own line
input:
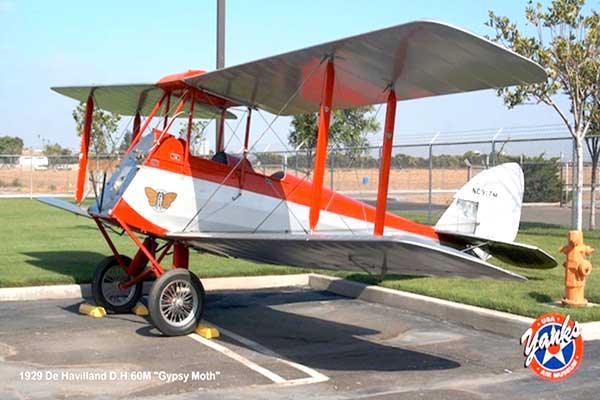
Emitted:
<point x="287" y="103"/>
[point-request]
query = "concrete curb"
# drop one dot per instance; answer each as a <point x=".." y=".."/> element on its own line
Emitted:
<point x="45" y="292"/>
<point x="541" y="204"/>
<point x="54" y="292"/>
<point x="499" y="322"/>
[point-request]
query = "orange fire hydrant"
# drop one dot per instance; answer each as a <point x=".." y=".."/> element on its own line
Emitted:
<point x="577" y="268"/>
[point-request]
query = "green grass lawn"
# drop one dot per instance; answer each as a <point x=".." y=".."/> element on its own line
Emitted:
<point x="524" y="298"/>
<point x="43" y="245"/>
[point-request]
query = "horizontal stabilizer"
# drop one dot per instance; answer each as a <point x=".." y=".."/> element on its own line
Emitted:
<point x="518" y="254"/>
<point x="376" y="255"/>
<point x="64" y="205"/>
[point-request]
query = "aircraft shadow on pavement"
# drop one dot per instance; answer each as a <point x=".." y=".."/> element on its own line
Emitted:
<point x="312" y="341"/>
<point x="78" y="264"/>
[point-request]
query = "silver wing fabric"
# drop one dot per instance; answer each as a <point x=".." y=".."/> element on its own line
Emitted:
<point x="127" y="99"/>
<point x="364" y="253"/>
<point x="418" y="59"/>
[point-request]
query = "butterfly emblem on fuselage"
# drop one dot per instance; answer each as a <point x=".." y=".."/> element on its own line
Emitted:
<point x="158" y="199"/>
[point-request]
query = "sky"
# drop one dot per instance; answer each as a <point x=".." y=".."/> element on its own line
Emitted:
<point x="53" y="43"/>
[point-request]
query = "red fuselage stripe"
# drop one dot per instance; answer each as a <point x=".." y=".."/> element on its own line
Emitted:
<point x="170" y="155"/>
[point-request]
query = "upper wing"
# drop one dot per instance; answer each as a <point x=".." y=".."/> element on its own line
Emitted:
<point x="422" y="58"/>
<point x="129" y="98"/>
<point x="364" y="253"/>
<point x="519" y="254"/>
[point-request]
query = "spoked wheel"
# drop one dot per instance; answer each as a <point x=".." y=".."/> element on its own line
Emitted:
<point x="176" y="302"/>
<point x="105" y="286"/>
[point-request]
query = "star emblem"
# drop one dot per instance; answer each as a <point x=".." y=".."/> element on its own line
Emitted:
<point x="555" y="351"/>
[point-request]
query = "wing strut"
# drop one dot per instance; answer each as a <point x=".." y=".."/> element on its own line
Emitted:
<point x="246" y="143"/>
<point x="167" y="109"/>
<point x="220" y="146"/>
<point x="137" y="137"/>
<point x="385" y="164"/>
<point x="85" y="145"/>
<point x="188" y="138"/>
<point x="322" y="136"/>
<point x="137" y="122"/>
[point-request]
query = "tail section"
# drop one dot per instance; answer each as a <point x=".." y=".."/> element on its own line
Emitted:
<point x="484" y="219"/>
<point x="488" y="206"/>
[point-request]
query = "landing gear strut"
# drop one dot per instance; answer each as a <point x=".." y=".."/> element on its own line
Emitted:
<point x="176" y="299"/>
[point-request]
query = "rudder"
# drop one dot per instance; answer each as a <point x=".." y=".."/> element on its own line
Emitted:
<point x="488" y="206"/>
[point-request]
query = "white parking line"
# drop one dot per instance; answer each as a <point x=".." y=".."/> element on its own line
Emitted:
<point x="233" y="355"/>
<point x="314" y="376"/>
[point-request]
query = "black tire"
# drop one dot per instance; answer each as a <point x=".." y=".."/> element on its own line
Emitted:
<point x="132" y="295"/>
<point x="176" y="285"/>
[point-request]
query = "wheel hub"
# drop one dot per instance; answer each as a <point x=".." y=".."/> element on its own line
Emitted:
<point x="178" y="303"/>
<point x="111" y="289"/>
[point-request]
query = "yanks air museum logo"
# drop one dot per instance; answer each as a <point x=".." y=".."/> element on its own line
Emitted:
<point x="553" y="346"/>
<point x="158" y="199"/>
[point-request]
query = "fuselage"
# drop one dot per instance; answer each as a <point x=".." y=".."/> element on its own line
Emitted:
<point x="155" y="191"/>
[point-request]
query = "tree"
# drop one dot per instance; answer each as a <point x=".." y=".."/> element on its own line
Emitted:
<point x="125" y="142"/>
<point x="57" y="153"/>
<point x="592" y="140"/>
<point x="11" y="145"/>
<point x="567" y="45"/>
<point x="198" y="135"/>
<point x="347" y="129"/>
<point x="104" y="125"/>
<point x="56" y="150"/>
<point x="197" y="130"/>
<point x="542" y="177"/>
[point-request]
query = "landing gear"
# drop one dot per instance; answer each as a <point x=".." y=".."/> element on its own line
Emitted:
<point x="176" y="302"/>
<point x="176" y="299"/>
<point x="106" y="290"/>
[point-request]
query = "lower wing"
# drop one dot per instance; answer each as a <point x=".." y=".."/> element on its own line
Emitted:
<point x="64" y="205"/>
<point x="374" y="255"/>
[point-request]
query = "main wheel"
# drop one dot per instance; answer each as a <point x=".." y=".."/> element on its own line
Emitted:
<point x="176" y="302"/>
<point x="105" y="286"/>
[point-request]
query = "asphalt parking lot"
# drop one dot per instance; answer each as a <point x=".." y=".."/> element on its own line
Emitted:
<point x="278" y="343"/>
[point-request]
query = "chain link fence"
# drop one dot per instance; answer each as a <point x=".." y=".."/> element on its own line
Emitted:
<point x="424" y="176"/>
<point x="30" y="176"/>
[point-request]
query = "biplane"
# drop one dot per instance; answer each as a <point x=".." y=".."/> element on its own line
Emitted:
<point x="168" y="200"/>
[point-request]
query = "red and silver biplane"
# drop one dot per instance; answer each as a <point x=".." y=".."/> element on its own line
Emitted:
<point x="166" y="198"/>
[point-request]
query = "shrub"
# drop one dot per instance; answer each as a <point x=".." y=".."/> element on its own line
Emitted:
<point x="542" y="182"/>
